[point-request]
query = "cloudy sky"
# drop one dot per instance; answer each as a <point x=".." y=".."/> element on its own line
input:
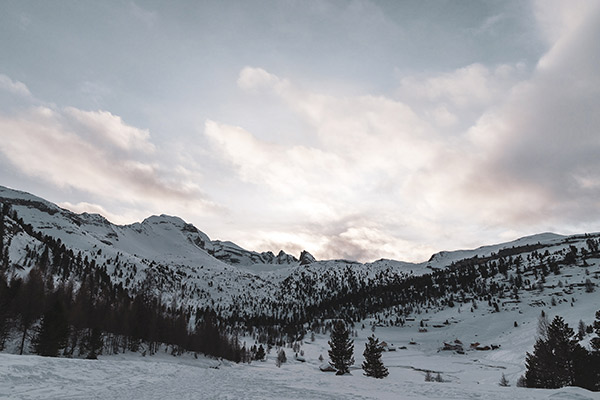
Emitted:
<point x="353" y="129"/>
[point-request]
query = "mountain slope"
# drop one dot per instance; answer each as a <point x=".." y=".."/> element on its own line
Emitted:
<point x="490" y="297"/>
<point x="179" y="263"/>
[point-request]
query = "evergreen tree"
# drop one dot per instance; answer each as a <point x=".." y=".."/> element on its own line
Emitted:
<point x="342" y="348"/>
<point x="93" y="344"/>
<point x="581" y="330"/>
<point x="260" y="353"/>
<point x="561" y="341"/>
<point x="542" y="328"/>
<point x="428" y="377"/>
<point x="281" y="358"/>
<point x="594" y="356"/>
<point x="535" y="363"/>
<point x="29" y="304"/>
<point x="585" y="369"/>
<point x="53" y="332"/>
<point x="373" y="366"/>
<point x="552" y="363"/>
<point x="4" y="310"/>
<point x="595" y="342"/>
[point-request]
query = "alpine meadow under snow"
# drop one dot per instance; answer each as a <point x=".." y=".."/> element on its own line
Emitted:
<point x="138" y="304"/>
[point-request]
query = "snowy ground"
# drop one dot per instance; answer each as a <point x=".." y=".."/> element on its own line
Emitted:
<point x="32" y="377"/>
<point x="474" y="375"/>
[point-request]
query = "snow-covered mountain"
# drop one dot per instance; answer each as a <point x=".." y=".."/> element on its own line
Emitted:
<point x="180" y="259"/>
<point x="490" y="297"/>
<point x="178" y="262"/>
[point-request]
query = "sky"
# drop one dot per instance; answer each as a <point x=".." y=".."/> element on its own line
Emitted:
<point x="353" y="129"/>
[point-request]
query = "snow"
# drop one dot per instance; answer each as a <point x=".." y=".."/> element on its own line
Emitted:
<point x="183" y="253"/>
<point x="165" y="377"/>
<point x="473" y="375"/>
<point x="445" y="258"/>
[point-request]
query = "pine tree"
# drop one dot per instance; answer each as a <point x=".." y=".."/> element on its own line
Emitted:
<point x="93" y="344"/>
<point x="542" y="328"/>
<point x="373" y="366"/>
<point x="535" y="363"/>
<point x="552" y="363"/>
<point x="260" y="353"/>
<point x="562" y="343"/>
<point x="29" y="304"/>
<point x="281" y="358"/>
<point x="581" y="330"/>
<point x="53" y="332"/>
<point x="342" y="348"/>
<point x="4" y="310"/>
<point x="585" y="369"/>
<point x="594" y="355"/>
<point x="595" y="342"/>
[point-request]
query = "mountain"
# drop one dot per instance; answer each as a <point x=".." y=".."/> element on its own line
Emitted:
<point x="276" y="298"/>
<point x="149" y="238"/>
<point x="175" y="258"/>
<point x="180" y="262"/>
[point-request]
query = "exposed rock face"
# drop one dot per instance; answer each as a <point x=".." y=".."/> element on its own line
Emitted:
<point x="306" y="258"/>
<point x="233" y="254"/>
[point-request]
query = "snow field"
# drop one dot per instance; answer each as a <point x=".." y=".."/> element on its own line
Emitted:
<point x="474" y="375"/>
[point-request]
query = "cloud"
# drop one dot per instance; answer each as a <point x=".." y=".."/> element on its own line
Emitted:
<point x="14" y="87"/>
<point x="109" y="129"/>
<point x="90" y="208"/>
<point x="257" y="78"/>
<point x="97" y="153"/>
<point x="556" y="19"/>
<point x="473" y="86"/>
<point x="453" y="159"/>
<point x="368" y="151"/>
<point x="541" y="145"/>
<point x="148" y="17"/>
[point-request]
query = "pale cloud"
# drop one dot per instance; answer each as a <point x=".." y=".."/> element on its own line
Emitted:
<point x="489" y="23"/>
<point x="14" y="87"/>
<point x="97" y="153"/>
<point x="369" y="151"/>
<point x="148" y="17"/>
<point x="352" y="126"/>
<point x="443" y="117"/>
<point x="109" y="129"/>
<point x="457" y="156"/>
<point x="119" y="219"/>
<point x="556" y="19"/>
<point x="257" y="78"/>
<point x="538" y="150"/>
<point x="473" y="86"/>
<point x="295" y="173"/>
<point x="370" y="241"/>
<point x="338" y="155"/>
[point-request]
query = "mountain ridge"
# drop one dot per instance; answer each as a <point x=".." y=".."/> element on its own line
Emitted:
<point x="227" y="251"/>
<point x="163" y="266"/>
<point x="175" y="261"/>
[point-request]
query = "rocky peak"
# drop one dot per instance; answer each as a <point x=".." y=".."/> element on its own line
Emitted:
<point x="306" y="258"/>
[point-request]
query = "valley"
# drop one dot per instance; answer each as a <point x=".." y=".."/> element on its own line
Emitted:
<point x="467" y="317"/>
